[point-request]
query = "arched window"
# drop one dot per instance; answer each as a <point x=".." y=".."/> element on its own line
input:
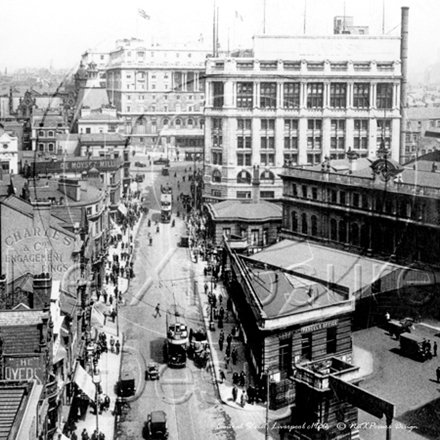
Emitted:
<point x="41" y="147"/>
<point x="304" y="225"/>
<point x="244" y="177"/>
<point x="294" y="221"/>
<point x="354" y="236"/>
<point x="140" y="126"/>
<point x="314" y="221"/>
<point x="178" y="123"/>
<point x="333" y="230"/>
<point x="216" y="176"/>
<point x="50" y="133"/>
<point x="50" y="147"/>
<point x="190" y="123"/>
<point x="342" y="231"/>
<point x="165" y="123"/>
<point x="267" y="177"/>
<point x="41" y="133"/>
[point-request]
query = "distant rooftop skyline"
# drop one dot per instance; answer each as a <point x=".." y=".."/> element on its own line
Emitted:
<point x="54" y="34"/>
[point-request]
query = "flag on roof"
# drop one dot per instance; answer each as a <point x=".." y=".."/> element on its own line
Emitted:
<point x="238" y="16"/>
<point x="143" y="14"/>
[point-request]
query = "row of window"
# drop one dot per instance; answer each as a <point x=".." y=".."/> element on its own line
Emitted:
<point x="314" y="95"/>
<point x="164" y="109"/>
<point x="386" y="205"/>
<point x="142" y="54"/>
<point x="285" y="356"/>
<point x="141" y="97"/>
<point x="268" y="124"/>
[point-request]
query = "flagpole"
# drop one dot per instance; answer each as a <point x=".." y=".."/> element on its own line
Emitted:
<point x="264" y="16"/>
<point x="305" y="15"/>
<point x="137" y="25"/>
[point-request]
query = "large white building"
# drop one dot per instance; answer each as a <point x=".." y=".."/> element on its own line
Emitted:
<point x="297" y="100"/>
<point x="159" y="91"/>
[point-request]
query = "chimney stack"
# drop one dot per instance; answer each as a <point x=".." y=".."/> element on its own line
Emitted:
<point x="404" y="82"/>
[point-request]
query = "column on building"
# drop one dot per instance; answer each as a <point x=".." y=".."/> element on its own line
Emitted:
<point x="228" y="91"/>
<point x="256" y="140"/>
<point x="349" y="133"/>
<point x="256" y="94"/>
<point x="326" y="128"/>
<point x="229" y="169"/>
<point x="372" y="138"/>
<point x="279" y="141"/>
<point x="395" y="138"/>
<point x="302" y="140"/>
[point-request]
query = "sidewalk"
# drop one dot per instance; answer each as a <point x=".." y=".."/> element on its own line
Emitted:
<point x="109" y="363"/>
<point x="218" y="356"/>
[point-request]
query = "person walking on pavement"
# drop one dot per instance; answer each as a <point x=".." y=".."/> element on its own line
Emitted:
<point x="222" y="376"/>
<point x="112" y="344"/>
<point x="227" y="361"/>
<point x="73" y="436"/>
<point x="243" y="399"/>
<point x="157" y="229"/>
<point x="228" y="350"/>
<point x="234" y="355"/>
<point x="85" y="435"/>
<point x="221" y="340"/>
<point x="234" y="393"/>
<point x="438" y="374"/>
<point x="435" y="348"/>
<point x="157" y="311"/>
<point x="118" y="346"/>
<point x="229" y="340"/>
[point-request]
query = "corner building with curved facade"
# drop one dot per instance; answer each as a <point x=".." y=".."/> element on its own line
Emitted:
<point x="297" y="100"/>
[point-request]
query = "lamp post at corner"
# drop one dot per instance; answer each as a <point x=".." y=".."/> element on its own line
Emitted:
<point x="97" y="380"/>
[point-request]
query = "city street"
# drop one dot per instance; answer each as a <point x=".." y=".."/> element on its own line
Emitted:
<point x="164" y="274"/>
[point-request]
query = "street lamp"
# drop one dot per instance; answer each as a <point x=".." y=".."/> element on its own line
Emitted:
<point x="96" y="378"/>
<point x="211" y="318"/>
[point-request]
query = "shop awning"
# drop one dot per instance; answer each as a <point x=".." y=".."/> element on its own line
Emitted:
<point x="122" y="209"/>
<point x="60" y="354"/>
<point x="85" y="382"/>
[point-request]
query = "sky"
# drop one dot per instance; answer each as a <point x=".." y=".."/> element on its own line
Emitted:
<point x="53" y="33"/>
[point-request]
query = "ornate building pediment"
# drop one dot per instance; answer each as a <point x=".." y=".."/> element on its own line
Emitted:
<point x="386" y="168"/>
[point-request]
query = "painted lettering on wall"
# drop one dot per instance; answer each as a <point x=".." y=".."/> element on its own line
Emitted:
<point x="319" y="326"/>
<point x="25" y="368"/>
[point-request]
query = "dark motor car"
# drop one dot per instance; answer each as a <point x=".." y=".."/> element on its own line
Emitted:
<point x="162" y="161"/>
<point x="140" y="164"/>
<point x="156" y="426"/>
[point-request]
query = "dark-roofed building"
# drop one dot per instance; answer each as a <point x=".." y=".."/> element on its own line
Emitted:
<point x="289" y="320"/>
<point x="21" y="415"/>
<point x="26" y="354"/>
<point x="33" y="240"/>
<point x="257" y="224"/>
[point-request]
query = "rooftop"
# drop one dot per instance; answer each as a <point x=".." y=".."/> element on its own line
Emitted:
<point x="242" y="211"/>
<point x="282" y="294"/>
<point x="352" y="271"/>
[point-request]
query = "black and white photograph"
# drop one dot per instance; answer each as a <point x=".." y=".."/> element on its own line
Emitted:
<point x="220" y="220"/>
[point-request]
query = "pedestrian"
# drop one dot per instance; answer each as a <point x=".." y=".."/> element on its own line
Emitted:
<point x="435" y="348"/>
<point x="220" y="298"/>
<point x="428" y="347"/>
<point x="73" y="436"/>
<point x="222" y="312"/>
<point x="112" y="344"/>
<point x="242" y="378"/>
<point x="227" y="358"/>
<point x="243" y="399"/>
<point x="105" y="295"/>
<point x="234" y="355"/>
<point x="221" y="340"/>
<point x="438" y="374"/>
<point x="235" y="393"/>
<point x="110" y="299"/>
<point x="157" y="311"/>
<point x="228" y="350"/>
<point x="229" y="339"/>
<point x="222" y="376"/>
<point x="118" y="346"/>
<point x="157" y="229"/>
<point x="85" y="434"/>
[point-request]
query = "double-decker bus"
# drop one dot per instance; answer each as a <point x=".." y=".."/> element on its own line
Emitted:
<point x="177" y="338"/>
<point x="166" y="199"/>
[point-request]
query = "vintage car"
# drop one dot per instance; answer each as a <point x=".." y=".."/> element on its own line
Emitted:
<point x="140" y="164"/>
<point x="162" y="161"/>
<point x="156" y="426"/>
<point x="152" y="372"/>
